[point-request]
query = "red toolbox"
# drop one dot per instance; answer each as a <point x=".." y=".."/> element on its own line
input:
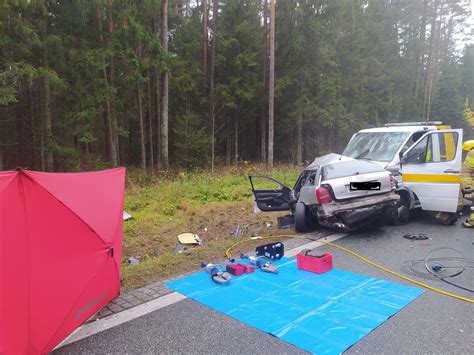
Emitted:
<point x="248" y="268"/>
<point x="314" y="263"/>
<point x="235" y="269"/>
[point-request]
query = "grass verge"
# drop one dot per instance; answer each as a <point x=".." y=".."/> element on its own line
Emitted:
<point x="164" y="205"/>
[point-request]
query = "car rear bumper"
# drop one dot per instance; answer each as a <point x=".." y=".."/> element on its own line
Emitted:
<point x="360" y="207"/>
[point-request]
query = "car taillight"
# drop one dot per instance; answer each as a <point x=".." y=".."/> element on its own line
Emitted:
<point x="323" y="195"/>
<point x="393" y="182"/>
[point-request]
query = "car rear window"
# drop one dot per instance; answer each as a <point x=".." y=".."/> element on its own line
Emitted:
<point x="349" y="168"/>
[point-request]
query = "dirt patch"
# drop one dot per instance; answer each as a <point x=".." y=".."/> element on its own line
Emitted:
<point x="215" y="223"/>
<point x="211" y="222"/>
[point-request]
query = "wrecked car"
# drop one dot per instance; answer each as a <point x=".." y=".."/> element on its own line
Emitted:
<point x="333" y="191"/>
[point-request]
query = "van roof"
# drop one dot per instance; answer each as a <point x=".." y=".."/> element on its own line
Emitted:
<point x="400" y="129"/>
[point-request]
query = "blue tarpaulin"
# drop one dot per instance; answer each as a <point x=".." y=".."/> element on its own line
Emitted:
<point x="323" y="314"/>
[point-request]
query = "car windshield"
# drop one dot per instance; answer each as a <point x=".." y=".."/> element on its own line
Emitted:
<point x="380" y="146"/>
<point x="349" y="168"/>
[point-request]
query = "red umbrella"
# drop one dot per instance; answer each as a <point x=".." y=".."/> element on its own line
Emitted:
<point x="60" y="253"/>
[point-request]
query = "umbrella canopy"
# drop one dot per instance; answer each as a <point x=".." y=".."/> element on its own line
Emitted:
<point x="60" y="253"/>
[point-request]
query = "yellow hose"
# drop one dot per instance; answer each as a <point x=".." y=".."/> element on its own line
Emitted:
<point x="397" y="274"/>
<point x="227" y="253"/>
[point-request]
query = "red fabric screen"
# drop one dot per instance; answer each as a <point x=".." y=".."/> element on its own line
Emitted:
<point x="60" y="253"/>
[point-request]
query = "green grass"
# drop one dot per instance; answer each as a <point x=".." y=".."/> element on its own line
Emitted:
<point x="164" y="205"/>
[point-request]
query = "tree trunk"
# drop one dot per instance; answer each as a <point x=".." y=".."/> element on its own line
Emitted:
<point x="271" y="88"/>
<point x="42" y="148"/>
<point x="215" y="13"/>
<point x="434" y="79"/>
<point x="109" y="137"/>
<point x="20" y="127"/>
<point x="142" y="127"/>
<point x="229" y="144"/>
<point x="430" y="65"/>
<point x="150" y="127"/>
<point x="263" y="114"/>
<point x="186" y="121"/>
<point x="111" y="75"/>
<point x="205" y="38"/>
<point x="443" y="48"/>
<point x="47" y="121"/>
<point x="236" y="139"/>
<point x="48" y="126"/>
<point x="32" y="119"/>
<point x="157" y="109"/>
<point x="299" y="141"/>
<point x="165" y="78"/>
<point x="176" y="7"/>
<point x="110" y="147"/>
<point x="421" y="54"/>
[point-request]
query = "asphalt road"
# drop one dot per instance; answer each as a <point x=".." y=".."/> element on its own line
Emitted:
<point x="433" y="323"/>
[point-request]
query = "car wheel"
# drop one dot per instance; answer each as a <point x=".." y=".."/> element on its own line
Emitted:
<point x="400" y="215"/>
<point x="302" y="221"/>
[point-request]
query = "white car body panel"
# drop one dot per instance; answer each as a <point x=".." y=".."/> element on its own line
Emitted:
<point x="421" y="178"/>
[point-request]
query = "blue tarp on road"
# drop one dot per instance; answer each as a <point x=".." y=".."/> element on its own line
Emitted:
<point x="323" y="314"/>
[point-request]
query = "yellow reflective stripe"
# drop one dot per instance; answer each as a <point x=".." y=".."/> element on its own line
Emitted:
<point x="431" y="178"/>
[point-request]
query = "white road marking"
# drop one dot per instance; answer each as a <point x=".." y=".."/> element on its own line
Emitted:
<point x="122" y="317"/>
<point x="292" y="252"/>
<point x="130" y="314"/>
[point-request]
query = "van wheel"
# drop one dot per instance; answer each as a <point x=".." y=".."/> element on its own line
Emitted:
<point x="399" y="215"/>
<point x="302" y="217"/>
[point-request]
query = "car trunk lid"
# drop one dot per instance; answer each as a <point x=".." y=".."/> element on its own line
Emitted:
<point x="342" y="189"/>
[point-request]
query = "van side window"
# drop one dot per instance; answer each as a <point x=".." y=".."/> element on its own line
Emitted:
<point x="419" y="153"/>
<point x="435" y="148"/>
<point x="414" y="137"/>
<point x="446" y="144"/>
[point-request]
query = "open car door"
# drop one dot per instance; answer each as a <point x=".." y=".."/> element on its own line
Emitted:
<point x="269" y="194"/>
<point x="432" y="169"/>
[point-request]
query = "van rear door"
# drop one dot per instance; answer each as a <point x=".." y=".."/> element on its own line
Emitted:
<point x="432" y="169"/>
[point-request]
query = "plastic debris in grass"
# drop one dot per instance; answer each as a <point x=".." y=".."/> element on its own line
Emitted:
<point x="238" y="231"/>
<point x="155" y="250"/>
<point x="179" y="248"/>
<point x="133" y="260"/>
<point x="190" y="239"/>
<point x="126" y="216"/>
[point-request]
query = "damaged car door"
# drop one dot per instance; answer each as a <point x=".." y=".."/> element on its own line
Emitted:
<point x="269" y="194"/>
<point x="432" y="169"/>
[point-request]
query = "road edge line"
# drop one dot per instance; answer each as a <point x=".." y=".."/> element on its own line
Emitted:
<point x="114" y="320"/>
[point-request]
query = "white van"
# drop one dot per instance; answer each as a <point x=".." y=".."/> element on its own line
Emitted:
<point x="425" y="158"/>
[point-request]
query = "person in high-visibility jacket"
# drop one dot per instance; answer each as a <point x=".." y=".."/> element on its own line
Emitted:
<point x="467" y="179"/>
